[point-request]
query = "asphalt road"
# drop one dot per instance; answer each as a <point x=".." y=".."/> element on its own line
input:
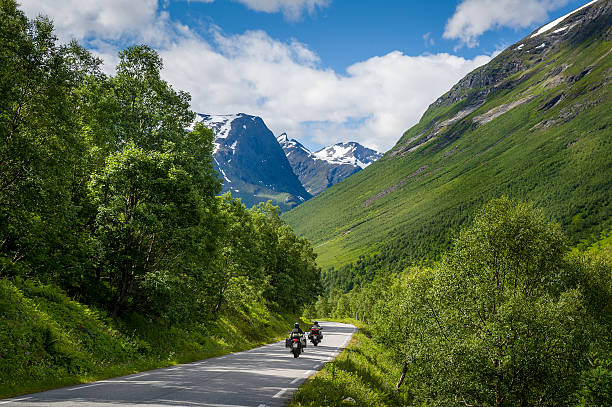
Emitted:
<point x="265" y="376"/>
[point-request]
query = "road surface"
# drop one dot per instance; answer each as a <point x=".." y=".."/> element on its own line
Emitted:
<point x="264" y="376"/>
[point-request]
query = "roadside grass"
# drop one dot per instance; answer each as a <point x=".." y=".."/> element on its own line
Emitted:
<point x="48" y="340"/>
<point x="364" y="371"/>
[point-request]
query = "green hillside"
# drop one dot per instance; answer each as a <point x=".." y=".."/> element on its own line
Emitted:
<point x="533" y="124"/>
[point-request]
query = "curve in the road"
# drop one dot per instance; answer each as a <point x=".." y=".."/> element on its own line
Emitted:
<point x="264" y="376"/>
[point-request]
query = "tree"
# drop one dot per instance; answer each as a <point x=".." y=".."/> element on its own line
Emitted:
<point x="494" y="323"/>
<point x="239" y="255"/>
<point x="40" y="149"/>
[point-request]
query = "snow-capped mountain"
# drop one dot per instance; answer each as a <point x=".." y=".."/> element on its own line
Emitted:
<point x="328" y="166"/>
<point x="348" y="153"/>
<point x="251" y="162"/>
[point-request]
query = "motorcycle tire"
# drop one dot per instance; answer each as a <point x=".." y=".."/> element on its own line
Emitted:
<point x="296" y="353"/>
<point x="314" y="343"/>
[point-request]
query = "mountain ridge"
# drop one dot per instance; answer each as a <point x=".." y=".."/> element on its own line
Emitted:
<point x="533" y="124"/>
<point x="327" y="166"/>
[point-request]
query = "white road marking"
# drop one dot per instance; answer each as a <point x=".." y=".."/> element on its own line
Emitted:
<point x="307" y="373"/>
<point x="279" y="394"/>
<point x="140" y="375"/>
<point x="83" y="387"/>
<point x="15" y="400"/>
<point x="294" y="381"/>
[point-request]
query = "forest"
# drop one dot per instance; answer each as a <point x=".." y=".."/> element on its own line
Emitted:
<point x="509" y="316"/>
<point x="108" y="191"/>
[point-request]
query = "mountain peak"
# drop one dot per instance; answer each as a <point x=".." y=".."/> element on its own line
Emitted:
<point x="350" y="152"/>
<point x="328" y="166"/>
<point x="251" y="162"/>
<point x="552" y="24"/>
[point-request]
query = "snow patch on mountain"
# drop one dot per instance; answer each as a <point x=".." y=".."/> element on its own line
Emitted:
<point x="289" y="144"/>
<point x="556" y="22"/>
<point x="348" y="153"/>
<point x="221" y="124"/>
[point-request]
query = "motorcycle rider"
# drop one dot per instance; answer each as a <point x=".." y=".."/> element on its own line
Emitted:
<point x="315" y="327"/>
<point x="297" y="332"/>
<point x="296" y="329"/>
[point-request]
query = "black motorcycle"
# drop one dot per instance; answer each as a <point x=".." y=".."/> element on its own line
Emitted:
<point x="296" y="344"/>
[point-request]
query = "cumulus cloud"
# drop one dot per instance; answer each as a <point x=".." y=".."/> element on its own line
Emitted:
<point x="281" y="81"/>
<point x="109" y="19"/>
<point x="373" y="103"/>
<point x="291" y="9"/>
<point x="473" y="17"/>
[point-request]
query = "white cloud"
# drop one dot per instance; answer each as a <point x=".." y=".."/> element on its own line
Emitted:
<point x="110" y="19"/>
<point x="283" y="82"/>
<point x="291" y="9"/>
<point x="429" y="42"/>
<point x="473" y="17"/>
<point x="373" y="103"/>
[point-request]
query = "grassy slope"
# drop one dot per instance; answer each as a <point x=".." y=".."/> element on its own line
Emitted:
<point x="563" y="168"/>
<point x="364" y="371"/>
<point x="48" y="340"/>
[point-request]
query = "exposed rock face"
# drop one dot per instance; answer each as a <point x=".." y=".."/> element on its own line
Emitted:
<point x="513" y="67"/>
<point x="252" y="164"/>
<point x="319" y="170"/>
<point x="579" y="25"/>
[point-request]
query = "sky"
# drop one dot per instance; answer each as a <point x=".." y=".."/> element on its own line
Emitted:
<point x="323" y="71"/>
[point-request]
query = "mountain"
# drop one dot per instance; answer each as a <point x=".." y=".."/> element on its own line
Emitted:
<point x="328" y="166"/>
<point x="534" y="123"/>
<point x="252" y="164"/>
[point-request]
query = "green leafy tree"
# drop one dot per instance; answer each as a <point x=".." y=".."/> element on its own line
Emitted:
<point x="41" y="151"/>
<point x="494" y="324"/>
<point x="239" y="252"/>
<point x="156" y="215"/>
<point x="288" y="261"/>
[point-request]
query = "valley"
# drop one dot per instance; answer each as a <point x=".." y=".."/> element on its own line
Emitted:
<point x="533" y="124"/>
<point x="153" y="255"/>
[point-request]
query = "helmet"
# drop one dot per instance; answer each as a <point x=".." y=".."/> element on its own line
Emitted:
<point x="316" y="323"/>
<point x="296" y="325"/>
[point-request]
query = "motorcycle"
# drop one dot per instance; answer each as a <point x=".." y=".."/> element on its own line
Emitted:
<point x="315" y="336"/>
<point x="296" y="345"/>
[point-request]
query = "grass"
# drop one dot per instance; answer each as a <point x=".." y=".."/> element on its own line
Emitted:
<point x="48" y="340"/>
<point x="364" y="371"/>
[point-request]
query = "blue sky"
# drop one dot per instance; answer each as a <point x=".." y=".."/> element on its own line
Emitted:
<point x="349" y="31"/>
<point x="323" y="71"/>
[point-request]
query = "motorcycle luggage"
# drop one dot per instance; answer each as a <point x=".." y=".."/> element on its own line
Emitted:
<point x="303" y="340"/>
<point x="287" y="342"/>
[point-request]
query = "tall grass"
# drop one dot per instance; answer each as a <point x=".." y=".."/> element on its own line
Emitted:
<point x="48" y="340"/>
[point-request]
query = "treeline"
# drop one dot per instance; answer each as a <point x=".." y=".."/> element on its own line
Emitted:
<point x="106" y="192"/>
<point x="508" y="317"/>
